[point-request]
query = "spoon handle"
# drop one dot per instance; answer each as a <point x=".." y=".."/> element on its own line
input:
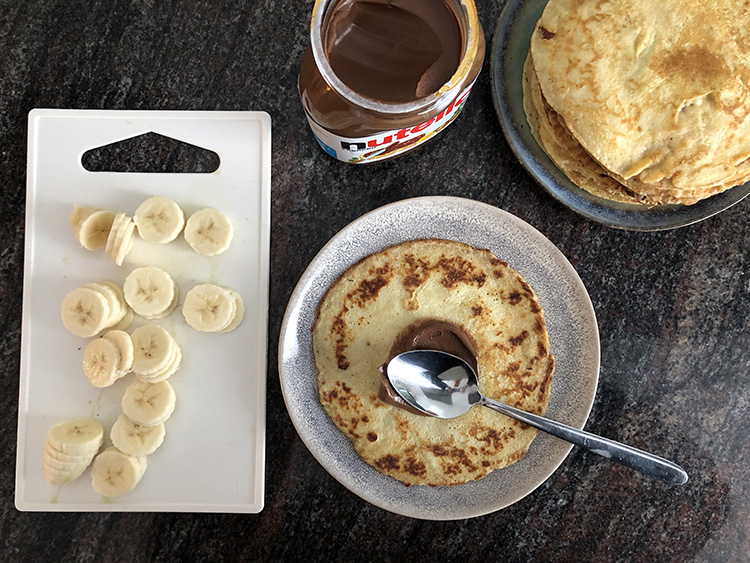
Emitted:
<point x="644" y="462"/>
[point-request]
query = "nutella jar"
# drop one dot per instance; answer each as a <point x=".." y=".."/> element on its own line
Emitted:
<point x="381" y="77"/>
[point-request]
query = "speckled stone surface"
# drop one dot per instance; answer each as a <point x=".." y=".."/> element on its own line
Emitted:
<point x="673" y="309"/>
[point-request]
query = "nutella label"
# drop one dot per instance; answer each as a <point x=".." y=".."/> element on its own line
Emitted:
<point x="388" y="143"/>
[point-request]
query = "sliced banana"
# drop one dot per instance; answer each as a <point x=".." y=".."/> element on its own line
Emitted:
<point x="120" y="239"/>
<point x="126" y="244"/>
<point x="240" y="311"/>
<point x="60" y="468"/>
<point x="153" y="349"/>
<point x="151" y="292"/>
<point x="115" y="473"/>
<point x="159" y="219"/>
<point x="209" y="232"/>
<point x="85" y="312"/>
<point x="78" y="215"/>
<point x="118" y="293"/>
<point x="172" y="305"/>
<point x="91" y="226"/>
<point x="101" y="360"/>
<point x="167" y="371"/>
<point x="209" y="308"/>
<point x="148" y="404"/>
<point x="136" y="439"/>
<point x="116" y="311"/>
<point x="57" y="456"/>
<point x="56" y="474"/>
<point x="126" y="321"/>
<point x="124" y="344"/>
<point x="80" y="436"/>
<point x="119" y="219"/>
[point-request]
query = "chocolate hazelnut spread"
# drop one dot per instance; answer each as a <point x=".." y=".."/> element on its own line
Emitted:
<point x="426" y="335"/>
<point x="381" y="77"/>
<point x="396" y="52"/>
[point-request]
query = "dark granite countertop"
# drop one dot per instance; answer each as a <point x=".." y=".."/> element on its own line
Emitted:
<point x="672" y="308"/>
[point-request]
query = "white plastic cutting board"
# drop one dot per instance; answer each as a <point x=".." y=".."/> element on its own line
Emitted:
<point x="213" y="456"/>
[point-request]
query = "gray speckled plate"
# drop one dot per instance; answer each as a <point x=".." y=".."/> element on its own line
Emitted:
<point x="571" y="323"/>
<point x="509" y="49"/>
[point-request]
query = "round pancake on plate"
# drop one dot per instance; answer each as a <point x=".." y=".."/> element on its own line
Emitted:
<point x="375" y="301"/>
<point x="655" y="92"/>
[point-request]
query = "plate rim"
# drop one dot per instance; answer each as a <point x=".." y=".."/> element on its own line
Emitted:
<point x="543" y="170"/>
<point x="289" y="352"/>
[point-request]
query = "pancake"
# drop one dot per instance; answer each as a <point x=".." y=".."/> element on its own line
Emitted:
<point x="550" y="132"/>
<point x="376" y="301"/>
<point x="655" y="92"/>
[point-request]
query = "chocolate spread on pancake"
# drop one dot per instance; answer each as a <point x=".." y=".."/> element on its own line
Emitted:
<point x="426" y="335"/>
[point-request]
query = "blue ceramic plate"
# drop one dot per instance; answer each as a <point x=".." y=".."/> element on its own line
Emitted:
<point x="574" y="341"/>
<point x="509" y="49"/>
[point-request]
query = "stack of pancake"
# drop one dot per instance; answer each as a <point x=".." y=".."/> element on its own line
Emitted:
<point x="369" y="309"/>
<point x="643" y="101"/>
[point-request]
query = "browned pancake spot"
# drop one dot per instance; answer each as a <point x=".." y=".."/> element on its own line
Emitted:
<point x="415" y="467"/>
<point x="694" y="65"/>
<point x="518" y="340"/>
<point x="416" y="271"/>
<point x="454" y="458"/>
<point x="497" y="262"/>
<point x="457" y="270"/>
<point x="546" y="33"/>
<point x="340" y="333"/>
<point x="372" y="436"/>
<point x="495" y="440"/>
<point x="368" y="289"/>
<point x="388" y="461"/>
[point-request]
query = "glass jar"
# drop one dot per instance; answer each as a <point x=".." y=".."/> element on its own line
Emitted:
<point x="370" y="112"/>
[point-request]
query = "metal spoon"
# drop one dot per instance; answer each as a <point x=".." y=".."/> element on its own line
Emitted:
<point x="442" y="385"/>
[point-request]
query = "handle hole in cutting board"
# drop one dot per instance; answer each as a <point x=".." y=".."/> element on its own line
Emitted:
<point x="151" y="153"/>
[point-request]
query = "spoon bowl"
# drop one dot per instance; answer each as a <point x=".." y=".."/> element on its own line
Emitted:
<point x="445" y="386"/>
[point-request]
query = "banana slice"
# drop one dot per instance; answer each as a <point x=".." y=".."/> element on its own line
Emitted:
<point x="136" y="439"/>
<point x="78" y="215"/>
<point x="116" y="311"/>
<point x="168" y="371"/>
<point x="126" y="321"/>
<point x="126" y="243"/>
<point x="159" y="219"/>
<point x="58" y="457"/>
<point x="57" y="473"/>
<point x="153" y="347"/>
<point x="172" y="305"/>
<point x="148" y="404"/>
<point x="81" y="436"/>
<point x="115" y="473"/>
<point x="151" y="292"/>
<point x="118" y="220"/>
<point x="209" y="308"/>
<point x="120" y="239"/>
<point x="209" y="232"/>
<point x="91" y="226"/>
<point x="124" y="344"/>
<point x="101" y="360"/>
<point x="85" y="311"/>
<point x="59" y="468"/>
<point x="239" y="315"/>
